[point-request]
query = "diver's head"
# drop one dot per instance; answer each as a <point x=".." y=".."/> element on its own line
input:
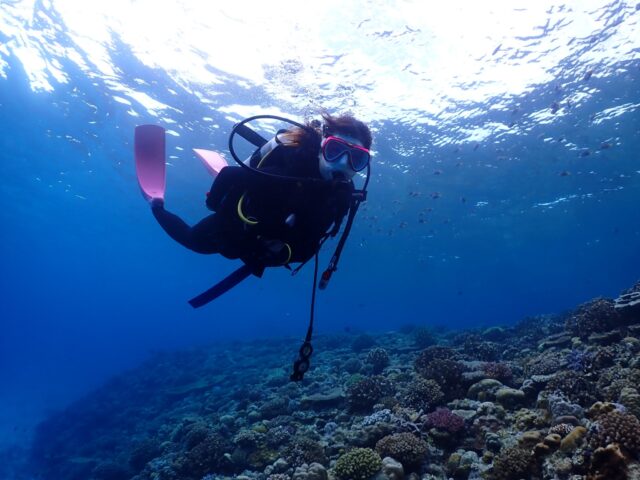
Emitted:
<point x="345" y="147"/>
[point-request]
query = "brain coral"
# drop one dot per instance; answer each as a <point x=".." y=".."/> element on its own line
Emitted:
<point x="403" y="447"/>
<point x="358" y="464"/>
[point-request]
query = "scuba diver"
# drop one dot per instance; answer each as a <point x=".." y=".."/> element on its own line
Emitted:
<point x="276" y="208"/>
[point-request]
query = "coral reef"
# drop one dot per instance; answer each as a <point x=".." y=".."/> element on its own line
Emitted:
<point x="553" y="397"/>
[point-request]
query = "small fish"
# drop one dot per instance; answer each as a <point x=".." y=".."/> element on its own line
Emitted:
<point x="587" y="75"/>
<point x="437" y="172"/>
<point x="555" y="107"/>
<point x="605" y="145"/>
<point x="435" y="195"/>
<point x="585" y="152"/>
<point x="564" y="173"/>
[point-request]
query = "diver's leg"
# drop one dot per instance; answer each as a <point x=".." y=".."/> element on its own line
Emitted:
<point x="204" y="237"/>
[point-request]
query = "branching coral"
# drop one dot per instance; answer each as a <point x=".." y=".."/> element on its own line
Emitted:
<point x="358" y="464"/>
<point x="575" y="387"/>
<point x="305" y="450"/>
<point x="498" y="371"/>
<point x="617" y="427"/>
<point x="363" y="394"/>
<point x="433" y="352"/>
<point x="630" y="398"/>
<point x="423" y="395"/>
<point x="512" y="463"/>
<point x="447" y="373"/>
<point x="403" y="447"/>
<point x="475" y="347"/>
<point x="378" y="358"/>
<point x="613" y="380"/>
<point x="596" y="316"/>
<point x="544" y="364"/>
<point x="207" y="456"/>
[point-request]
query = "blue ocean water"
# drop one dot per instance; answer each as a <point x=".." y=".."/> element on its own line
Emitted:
<point x="484" y="206"/>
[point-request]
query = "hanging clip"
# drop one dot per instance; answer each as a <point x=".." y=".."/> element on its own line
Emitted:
<point x="326" y="275"/>
<point x="301" y="365"/>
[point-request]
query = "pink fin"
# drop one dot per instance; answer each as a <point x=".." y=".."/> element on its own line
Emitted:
<point x="213" y="161"/>
<point x="149" y="148"/>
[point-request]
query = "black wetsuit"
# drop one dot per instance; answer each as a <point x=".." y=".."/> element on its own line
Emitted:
<point x="311" y="207"/>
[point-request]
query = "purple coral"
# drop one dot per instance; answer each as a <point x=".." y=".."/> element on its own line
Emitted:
<point x="579" y="360"/>
<point x="445" y="419"/>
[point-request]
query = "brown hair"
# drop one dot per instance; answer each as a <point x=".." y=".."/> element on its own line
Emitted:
<point x="347" y="125"/>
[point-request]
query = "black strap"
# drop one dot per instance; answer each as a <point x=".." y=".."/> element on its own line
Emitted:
<point x="249" y="135"/>
<point x="359" y="196"/>
<point x="301" y="365"/>
<point x="222" y="287"/>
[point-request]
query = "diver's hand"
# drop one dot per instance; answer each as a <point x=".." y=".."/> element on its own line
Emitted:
<point x="156" y="203"/>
